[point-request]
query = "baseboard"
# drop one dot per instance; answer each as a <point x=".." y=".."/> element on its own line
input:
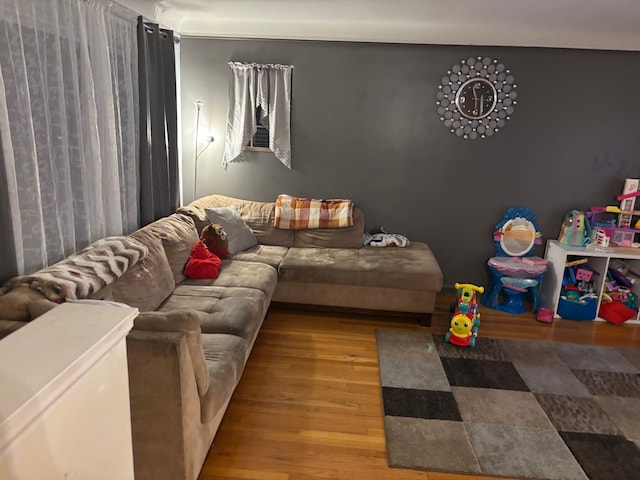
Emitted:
<point x="423" y="319"/>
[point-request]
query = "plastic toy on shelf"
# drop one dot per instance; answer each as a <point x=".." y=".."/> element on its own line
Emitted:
<point x="578" y="300"/>
<point x="465" y="320"/>
<point x="619" y="303"/>
<point x="622" y="230"/>
<point x="575" y="229"/>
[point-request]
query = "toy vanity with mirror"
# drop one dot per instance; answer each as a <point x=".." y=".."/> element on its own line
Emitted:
<point x="515" y="272"/>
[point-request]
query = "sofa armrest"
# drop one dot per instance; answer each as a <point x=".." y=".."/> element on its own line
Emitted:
<point x="183" y="321"/>
<point x="171" y="422"/>
<point x="164" y="400"/>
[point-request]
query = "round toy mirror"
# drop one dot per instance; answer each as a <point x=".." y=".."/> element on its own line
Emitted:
<point x="518" y="237"/>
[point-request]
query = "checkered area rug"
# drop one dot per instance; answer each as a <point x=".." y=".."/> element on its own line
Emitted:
<point x="510" y="408"/>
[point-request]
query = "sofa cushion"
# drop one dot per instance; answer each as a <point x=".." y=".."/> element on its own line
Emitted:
<point x="236" y="273"/>
<point x="347" y="237"/>
<point x="187" y="322"/>
<point x="231" y="310"/>
<point x="150" y="281"/>
<point x="413" y="268"/>
<point x="178" y="234"/>
<point x="225" y="356"/>
<point x="258" y="215"/>
<point x="228" y="350"/>
<point x="196" y="214"/>
<point x="238" y="232"/>
<point x="269" y="254"/>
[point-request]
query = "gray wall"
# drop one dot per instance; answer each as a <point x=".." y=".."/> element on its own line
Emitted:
<point x="365" y="127"/>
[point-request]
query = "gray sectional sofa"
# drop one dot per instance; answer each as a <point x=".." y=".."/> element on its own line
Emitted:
<point x="331" y="267"/>
<point x="192" y="338"/>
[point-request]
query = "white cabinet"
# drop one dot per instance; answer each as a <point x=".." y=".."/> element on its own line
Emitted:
<point x="599" y="259"/>
<point x="64" y="408"/>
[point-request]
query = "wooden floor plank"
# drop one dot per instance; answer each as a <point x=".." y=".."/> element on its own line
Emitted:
<point x="308" y="406"/>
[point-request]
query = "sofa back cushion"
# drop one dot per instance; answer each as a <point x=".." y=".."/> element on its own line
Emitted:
<point x="179" y="235"/>
<point x="149" y="282"/>
<point x="197" y="215"/>
<point x="348" y="237"/>
<point x="258" y="215"/>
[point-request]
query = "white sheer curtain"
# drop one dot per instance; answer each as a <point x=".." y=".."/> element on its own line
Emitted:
<point x="68" y="125"/>
<point x="253" y="85"/>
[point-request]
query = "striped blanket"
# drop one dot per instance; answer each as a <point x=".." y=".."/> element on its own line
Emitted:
<point x="85" y="272"/>
<point x="293" y="213"/>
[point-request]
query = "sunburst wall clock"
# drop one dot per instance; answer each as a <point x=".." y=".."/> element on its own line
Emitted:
<point x="476" y="97"/>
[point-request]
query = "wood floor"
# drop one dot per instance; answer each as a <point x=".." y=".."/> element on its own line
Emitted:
<point x="308" y="405"/>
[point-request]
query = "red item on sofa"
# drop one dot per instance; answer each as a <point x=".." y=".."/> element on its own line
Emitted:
<point x="202" y="263"/>
<point x="616" y="312"/>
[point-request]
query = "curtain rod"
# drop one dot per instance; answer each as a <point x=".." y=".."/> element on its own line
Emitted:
<point x="149" y="26"/>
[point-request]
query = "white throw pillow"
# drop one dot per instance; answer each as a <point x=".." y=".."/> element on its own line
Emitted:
<point x="238" y="232"/>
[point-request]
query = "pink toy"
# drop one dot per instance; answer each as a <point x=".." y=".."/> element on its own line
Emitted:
<point x="624" y="196"/>
<point x="545" y="315"/>
<point x="583" y="274"/>
<point x="602" y="237"/>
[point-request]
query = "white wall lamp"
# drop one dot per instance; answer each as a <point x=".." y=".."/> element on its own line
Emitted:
<point x="209" y="139"/>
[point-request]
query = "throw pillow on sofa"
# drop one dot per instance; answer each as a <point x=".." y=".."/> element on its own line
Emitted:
<point x="240" y="235"/>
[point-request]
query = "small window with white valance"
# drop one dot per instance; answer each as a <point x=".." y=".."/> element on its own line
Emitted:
<point x="259" y="104"/>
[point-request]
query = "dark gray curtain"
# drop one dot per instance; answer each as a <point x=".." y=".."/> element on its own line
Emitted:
<point x="159" y="192"/>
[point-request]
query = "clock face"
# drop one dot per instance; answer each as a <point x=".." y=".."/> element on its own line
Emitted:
<point x="476" y="98"/>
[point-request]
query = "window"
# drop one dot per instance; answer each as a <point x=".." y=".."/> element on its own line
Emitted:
<point x="69" y="144"/>
<point x="260" y="141"/>
<point x="259" y="115"/>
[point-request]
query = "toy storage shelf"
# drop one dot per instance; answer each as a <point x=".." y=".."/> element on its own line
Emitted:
<point x="598" y="259"/>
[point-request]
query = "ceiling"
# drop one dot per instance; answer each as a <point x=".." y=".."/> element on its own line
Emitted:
<point x="592" y="24"/>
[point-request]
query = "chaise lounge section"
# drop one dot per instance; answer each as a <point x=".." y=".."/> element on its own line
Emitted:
<point x="332" y="267"/>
